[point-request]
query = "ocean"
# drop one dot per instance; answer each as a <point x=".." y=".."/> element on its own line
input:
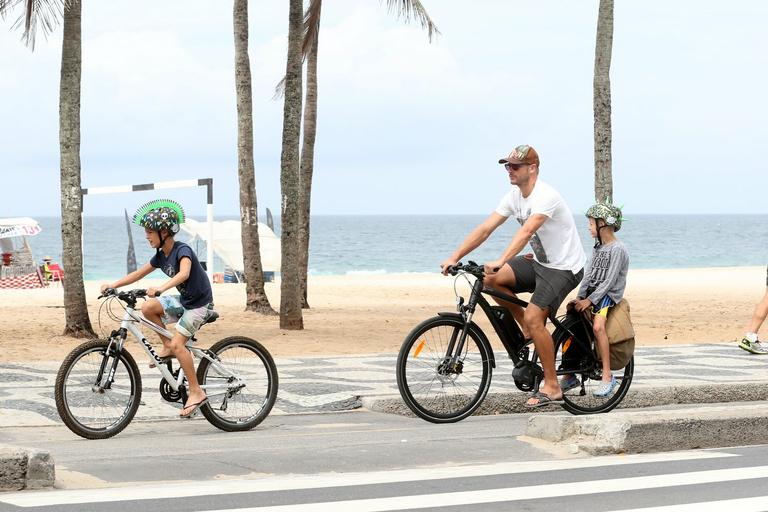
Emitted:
<point x="379" y="244"/>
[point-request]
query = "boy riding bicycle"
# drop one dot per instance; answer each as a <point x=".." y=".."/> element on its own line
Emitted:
<point x="603" y="287"/>
<point x="194" y="304"/>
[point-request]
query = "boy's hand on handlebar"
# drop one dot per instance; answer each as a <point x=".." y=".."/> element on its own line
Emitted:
<point x="105" y="287"/>
<point x="153" y="292"/>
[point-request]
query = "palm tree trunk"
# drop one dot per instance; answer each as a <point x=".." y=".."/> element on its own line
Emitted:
<point x="78" y="322"/>
<point x="602" y="103"/>
<point x="290" y="285"/>
<point x="256" y="297"/>
<point x="307" y="165"/>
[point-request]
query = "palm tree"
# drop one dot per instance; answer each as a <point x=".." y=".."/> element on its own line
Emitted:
<point x="602" y="103"/>
<point x="256" y="297"/>
<point x="406" y="9"/>
<point x="311" y="23"/>
<point x="290" y="288"/>
<point x="44" y="14"/>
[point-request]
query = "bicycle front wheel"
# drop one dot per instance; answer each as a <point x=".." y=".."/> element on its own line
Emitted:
<point x="432" y="385"/>
<point x="241" y="384"/>
<point x="90" y="403"/>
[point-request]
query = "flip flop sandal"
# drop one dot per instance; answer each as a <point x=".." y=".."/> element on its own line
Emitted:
<point x="195" y="409"/>
<point x="543" y="399"/>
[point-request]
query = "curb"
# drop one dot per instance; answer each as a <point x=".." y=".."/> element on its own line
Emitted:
<point x="25" y="468"/>
<point x="642" y="396"/>
<point x="655" y="431"/>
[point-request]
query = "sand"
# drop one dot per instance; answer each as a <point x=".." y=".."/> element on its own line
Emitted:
<point x="365" y="314"/>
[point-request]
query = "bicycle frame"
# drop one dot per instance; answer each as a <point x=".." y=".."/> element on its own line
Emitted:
<point x="129" y="325"/>
<point x="513" y="341"/>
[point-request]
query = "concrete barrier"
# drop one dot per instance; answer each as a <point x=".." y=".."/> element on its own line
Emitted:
<point x="640" y="396"/>
<point x="656" y="430"/>
<point x="25" y="468"/>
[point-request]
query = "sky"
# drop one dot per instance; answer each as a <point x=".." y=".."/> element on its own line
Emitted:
<point x="404" y="126"/>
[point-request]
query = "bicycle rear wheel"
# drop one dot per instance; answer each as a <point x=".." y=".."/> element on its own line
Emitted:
<point x="88" y="404"/>
<point x="241" y="385"/>
<point x="431" y="387"/>
<point x="588" y="369"/>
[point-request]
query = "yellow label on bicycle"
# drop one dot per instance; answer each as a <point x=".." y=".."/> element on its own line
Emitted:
<point x="566" y="345"/>
<point x="418" y="349"/>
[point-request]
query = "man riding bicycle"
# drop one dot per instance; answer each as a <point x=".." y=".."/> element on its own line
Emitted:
<point x="554" y="269"/>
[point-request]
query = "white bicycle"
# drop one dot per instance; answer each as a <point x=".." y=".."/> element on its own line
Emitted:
<point x="98" y="387"/>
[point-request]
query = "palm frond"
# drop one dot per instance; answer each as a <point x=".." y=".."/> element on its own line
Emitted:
<point x="412" y="9"/>
<point x="37" y="15"/>
<point x="311" y="27"/>
<point x="311" y="33"/>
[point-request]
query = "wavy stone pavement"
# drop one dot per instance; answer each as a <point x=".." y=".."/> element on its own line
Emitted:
<point x="324" y="384"/>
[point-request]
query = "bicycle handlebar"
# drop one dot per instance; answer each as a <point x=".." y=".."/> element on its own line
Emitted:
<point x="130" y="295"/>
<point x="470" y="268"/>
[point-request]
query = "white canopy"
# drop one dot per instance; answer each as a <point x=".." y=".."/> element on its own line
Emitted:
<point x="19" y="226"/>
<point x="228" y="244"/>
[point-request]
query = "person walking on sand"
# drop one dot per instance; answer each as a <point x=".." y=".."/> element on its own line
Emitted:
<point x="189" y="310"/>
<point x="550" y="273"/>
<point x="750" y="342"/>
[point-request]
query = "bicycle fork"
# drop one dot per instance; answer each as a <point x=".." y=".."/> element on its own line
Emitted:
<point x="102" y="383"/>
<point x="451" y="362"/>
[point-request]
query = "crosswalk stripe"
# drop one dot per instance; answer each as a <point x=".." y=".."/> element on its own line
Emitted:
<point x="294" y="482"/>
<point x="510" y="494"/>
<point x="756" y="504"/>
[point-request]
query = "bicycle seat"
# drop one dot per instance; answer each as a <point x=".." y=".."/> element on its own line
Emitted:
<point x="212" y="317"/>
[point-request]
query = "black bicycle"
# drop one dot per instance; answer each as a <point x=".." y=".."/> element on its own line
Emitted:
<point x="445" y="364"/>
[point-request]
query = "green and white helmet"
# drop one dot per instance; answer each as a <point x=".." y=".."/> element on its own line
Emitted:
<point x="609" y="213"/>
<point x="160" y="214"/>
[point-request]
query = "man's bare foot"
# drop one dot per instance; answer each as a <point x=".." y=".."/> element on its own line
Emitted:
<point x="194" y="401"/>
<point x="540" y="399"/>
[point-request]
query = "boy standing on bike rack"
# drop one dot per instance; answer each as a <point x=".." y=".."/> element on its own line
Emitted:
<point x="550" y="273"/>
<point x="161" y="220"/>
<point x="602" y="287"/>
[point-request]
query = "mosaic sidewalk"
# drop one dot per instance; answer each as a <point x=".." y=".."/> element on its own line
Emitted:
<point x="325" y="384"/>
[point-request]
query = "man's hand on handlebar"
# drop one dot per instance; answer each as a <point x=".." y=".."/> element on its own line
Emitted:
<point x="153" y="292"/>
<point x="493" y="266"/>
<point x="447" y="265"/>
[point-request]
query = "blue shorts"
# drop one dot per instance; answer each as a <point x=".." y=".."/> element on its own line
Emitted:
<point x="602" y="307"/>
<point x="188" y="321"/>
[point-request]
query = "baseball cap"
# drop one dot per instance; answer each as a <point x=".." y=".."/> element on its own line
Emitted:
<point x="522" y="155"/>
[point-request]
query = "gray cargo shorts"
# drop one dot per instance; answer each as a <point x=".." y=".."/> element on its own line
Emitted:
<point x="549" y="286"/>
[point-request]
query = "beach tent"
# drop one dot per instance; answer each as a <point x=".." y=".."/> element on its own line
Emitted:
<point x="17" y="267"/>
<point x="228" y="246"/>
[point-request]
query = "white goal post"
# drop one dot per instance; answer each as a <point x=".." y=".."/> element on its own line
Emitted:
<point x="203" y="182"/>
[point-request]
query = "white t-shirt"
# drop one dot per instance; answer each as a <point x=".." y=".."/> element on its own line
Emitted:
<point x="556" y="243"/>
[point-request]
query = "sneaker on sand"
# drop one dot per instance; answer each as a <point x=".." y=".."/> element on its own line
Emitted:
<point x="753" y="347"/>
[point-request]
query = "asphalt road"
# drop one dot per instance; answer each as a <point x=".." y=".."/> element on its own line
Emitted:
<point x="364" y="461"/>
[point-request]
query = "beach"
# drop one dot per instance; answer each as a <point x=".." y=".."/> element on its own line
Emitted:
<point x="366" y="314"/>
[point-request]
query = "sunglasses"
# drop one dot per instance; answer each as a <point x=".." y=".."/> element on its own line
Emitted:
<point x="514" y="167"/>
